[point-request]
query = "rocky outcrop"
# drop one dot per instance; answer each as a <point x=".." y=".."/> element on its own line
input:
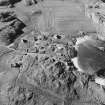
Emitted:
<point x="8" y="2"/>
<point x="7" y="16"/>
<point x="10" y="32"/>
<point x="4" y="2"/>
<point x="96" y="13"/>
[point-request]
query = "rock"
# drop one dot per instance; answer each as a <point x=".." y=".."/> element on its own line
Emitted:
<point x="100" y="81"/>
<point x="96" y="14"/>
<point x="31" y="2"/>
<point x="28" y="2"/>
<point x="9" y="33"/>
<point x="103" y="1"/>
<point x="4" y="2"/>
<point x="7" y="16"/>
<point x="8" y="2"/>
